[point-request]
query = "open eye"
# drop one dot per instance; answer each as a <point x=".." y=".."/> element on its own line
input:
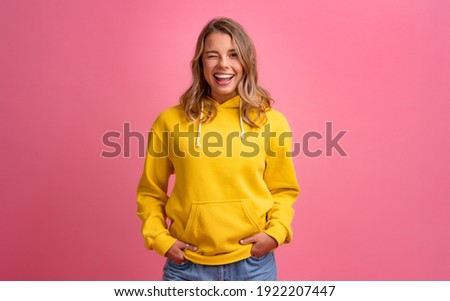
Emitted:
<point x="233" y="55"/>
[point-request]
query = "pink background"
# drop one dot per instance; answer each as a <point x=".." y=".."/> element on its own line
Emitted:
<point x="73" y="70"/>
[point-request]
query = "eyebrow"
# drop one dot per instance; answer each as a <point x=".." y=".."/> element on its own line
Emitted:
<point x="215" y="51"/>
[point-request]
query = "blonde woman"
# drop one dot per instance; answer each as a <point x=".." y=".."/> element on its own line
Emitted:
<point x="235" y="184"/>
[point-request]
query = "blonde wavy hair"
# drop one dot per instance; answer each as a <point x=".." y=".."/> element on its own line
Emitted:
<point x="255" y="99"/>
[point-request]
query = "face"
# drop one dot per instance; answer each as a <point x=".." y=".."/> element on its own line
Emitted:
<point x="221" y="66"/>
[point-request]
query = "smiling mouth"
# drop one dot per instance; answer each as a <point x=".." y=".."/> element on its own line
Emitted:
<point x="223" y="79"/>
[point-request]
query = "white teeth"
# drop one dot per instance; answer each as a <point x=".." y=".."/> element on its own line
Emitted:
<point x="223" y="75"/>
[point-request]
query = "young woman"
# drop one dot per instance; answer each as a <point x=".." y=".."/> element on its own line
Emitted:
<point x="235" y="184"/>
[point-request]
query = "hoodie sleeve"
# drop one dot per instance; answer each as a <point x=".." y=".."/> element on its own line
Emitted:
<point x="152" y="195"/>
<point x="281" y="180"/>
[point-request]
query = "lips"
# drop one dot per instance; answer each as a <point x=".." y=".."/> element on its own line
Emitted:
<point x="223" y="78"/>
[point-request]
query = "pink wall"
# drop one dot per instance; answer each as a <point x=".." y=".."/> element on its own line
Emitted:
<point x="73" y="70"/>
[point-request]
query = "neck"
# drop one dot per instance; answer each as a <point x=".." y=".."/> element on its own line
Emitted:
<point x="223" y="98"/>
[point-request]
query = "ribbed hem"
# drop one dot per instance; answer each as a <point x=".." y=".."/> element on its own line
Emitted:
<point x="242" y="253"/>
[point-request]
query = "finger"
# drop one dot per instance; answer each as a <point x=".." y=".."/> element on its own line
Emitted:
<point x="179" y="260"/>
<point x="190" y="247"/>
<point x="176" y="254"/>
<point x="180" y="245"/>
<point x="257" y="255"/>
<point x="179" y="257"/>
<point x="249" y="240"/>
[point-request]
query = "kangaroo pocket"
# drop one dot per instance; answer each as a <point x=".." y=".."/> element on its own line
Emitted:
<point x="217" y="226"/>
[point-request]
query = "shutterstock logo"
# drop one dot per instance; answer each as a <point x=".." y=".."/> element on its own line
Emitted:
<point x="215" y="144"/>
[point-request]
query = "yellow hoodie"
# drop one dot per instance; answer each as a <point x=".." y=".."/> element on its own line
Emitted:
<point x="231" y="181"/>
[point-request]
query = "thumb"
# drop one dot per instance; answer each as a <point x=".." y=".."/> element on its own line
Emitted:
<point x="248" y="240"/>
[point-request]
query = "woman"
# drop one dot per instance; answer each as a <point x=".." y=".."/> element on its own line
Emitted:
<point x="235" y="184"/>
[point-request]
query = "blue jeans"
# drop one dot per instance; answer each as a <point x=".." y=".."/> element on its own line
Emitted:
<point x="250" y="269"/>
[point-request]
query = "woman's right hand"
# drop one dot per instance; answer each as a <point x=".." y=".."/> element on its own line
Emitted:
<point x="176" y="251"/>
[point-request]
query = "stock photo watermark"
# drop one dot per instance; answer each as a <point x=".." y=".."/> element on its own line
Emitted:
<point x="215" y="144"/>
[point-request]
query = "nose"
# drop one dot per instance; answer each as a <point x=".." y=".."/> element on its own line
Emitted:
<point x="224" y="62"/>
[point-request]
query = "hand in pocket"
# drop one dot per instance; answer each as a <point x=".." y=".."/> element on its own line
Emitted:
<point x="262" y="244"/>
<point x="176" y="251"/>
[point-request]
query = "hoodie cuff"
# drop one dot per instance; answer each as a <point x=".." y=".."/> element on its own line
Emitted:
<point x="162" y="243"/>
<point x="279" y="233"/>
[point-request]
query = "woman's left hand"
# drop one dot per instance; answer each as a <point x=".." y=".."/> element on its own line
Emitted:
<point x="262" y="244"/>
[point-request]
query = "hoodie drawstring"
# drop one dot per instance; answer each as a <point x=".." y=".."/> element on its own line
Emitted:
<point x="240" y="119"/>
<point x="200" y="125"/>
